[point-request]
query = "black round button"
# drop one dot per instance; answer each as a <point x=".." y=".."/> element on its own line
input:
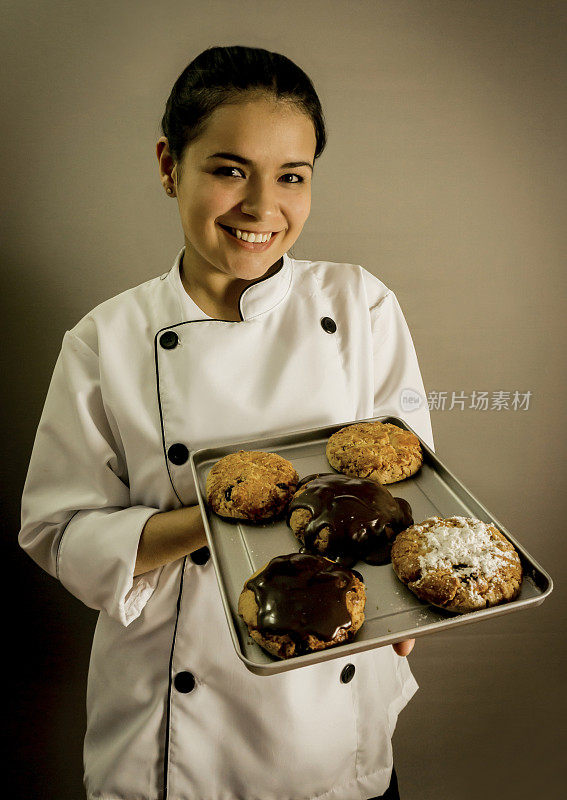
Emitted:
<point x="329" y="325"/>
<point x="348" y="673"/>
<point x="178" y="454"/>
<point x="200" y="556"/>
<point x="169" y="340"/>
<point x="184" y="682"/>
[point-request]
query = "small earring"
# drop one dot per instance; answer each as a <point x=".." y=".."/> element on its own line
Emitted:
<point x="169" y="190"/>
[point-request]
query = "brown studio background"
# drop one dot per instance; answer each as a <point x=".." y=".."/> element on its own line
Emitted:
<point x="445" y="176"/>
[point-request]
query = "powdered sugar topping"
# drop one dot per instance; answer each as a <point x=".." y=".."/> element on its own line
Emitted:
<point x="466" y="544"/>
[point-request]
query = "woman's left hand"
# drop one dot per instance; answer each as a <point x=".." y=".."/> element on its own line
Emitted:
<point x="404" y="648"/>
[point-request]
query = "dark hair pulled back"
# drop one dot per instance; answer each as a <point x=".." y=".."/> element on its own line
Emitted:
<point x="222" y="75"/>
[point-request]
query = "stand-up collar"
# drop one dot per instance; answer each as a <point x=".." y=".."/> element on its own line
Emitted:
<point x="259" y="297"/>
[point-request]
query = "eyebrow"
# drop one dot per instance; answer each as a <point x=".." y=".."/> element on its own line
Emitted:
<point x="241" y="160"/>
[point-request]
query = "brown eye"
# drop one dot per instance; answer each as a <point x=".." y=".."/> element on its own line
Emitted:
<point x="225" y="170"/>
<point x="293" y="175"/>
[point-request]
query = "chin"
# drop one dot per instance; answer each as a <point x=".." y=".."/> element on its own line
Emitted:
<point x="250" y="272"/>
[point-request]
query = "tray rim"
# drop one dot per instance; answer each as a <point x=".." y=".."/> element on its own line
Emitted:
<point x="354" y="647"/>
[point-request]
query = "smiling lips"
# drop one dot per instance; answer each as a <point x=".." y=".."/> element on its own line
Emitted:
<point x="250" y="240"/>
<point x="248" y="236"/>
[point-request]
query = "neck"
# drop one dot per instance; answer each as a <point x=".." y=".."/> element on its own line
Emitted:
<point x="215" y="293"/>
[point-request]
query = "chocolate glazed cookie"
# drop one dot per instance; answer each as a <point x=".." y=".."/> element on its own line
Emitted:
<point x="347" y="519"/>
<point x="300" y="603"/>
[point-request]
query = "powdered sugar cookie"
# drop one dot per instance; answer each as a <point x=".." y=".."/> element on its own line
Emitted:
<point x="458" y="563"/>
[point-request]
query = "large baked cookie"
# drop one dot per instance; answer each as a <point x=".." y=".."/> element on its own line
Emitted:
<point x="299" y="603"/>
<point x="458" y="563"/>
<point x="347" y="519"/>
<point x="380" y="451"/>
<point x="251" y="485"/>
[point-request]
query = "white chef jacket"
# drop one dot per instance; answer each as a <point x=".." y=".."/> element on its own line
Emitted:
<point x="124" y="408"/>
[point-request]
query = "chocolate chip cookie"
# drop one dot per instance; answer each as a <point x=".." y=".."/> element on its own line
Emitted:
<point x="380" y="451"/>
<point x="458" y="563"/>
<point x="251" y="485"/>
<point x="300" y="603"/>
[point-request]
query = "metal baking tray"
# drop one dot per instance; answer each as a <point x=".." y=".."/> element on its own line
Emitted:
<point x="392" y="612"/>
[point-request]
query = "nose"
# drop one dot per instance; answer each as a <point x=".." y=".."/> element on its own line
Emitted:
<point x="260" y="200"/>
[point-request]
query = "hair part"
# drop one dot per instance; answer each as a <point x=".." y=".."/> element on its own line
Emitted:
<point x="223" y="75"/>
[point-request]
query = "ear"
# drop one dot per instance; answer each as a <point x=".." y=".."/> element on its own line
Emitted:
<point x="167" y="166"/>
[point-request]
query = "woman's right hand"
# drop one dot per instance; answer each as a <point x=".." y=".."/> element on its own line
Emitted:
<point x="169" y="535"/>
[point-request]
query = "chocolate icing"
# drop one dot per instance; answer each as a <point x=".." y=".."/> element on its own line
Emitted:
<point x="362" y="517"/>
<point x="302" y="594"/>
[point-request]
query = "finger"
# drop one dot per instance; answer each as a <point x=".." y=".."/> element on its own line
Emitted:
<point x="404" y="648"/>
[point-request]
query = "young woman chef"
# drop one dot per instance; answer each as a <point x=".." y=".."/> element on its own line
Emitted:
<point x="237" y="340"/>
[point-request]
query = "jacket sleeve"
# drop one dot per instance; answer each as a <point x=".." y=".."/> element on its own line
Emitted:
<point x="77" y="520"/>
<point x="398" y="386"/>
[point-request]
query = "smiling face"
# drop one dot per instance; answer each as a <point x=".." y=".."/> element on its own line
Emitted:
<point x="258" y="185"/>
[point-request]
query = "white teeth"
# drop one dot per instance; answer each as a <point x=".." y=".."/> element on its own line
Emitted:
<point x="251" y="237"/>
